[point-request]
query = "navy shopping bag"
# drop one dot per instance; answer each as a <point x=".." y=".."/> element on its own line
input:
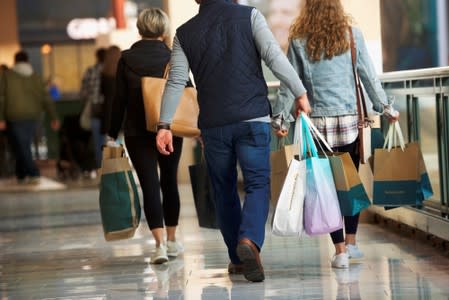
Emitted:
<point x="203" y="196"/>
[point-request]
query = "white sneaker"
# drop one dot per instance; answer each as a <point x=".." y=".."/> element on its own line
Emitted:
<point x="174" y="248"/>
<point x="160" y="255"/>
<point x="341" y="261"/>
<point x="354" y="251"/>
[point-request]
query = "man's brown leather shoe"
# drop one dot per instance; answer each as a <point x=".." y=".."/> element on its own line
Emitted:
<point x="235" y="268"/>
<point x="249" y="255"/>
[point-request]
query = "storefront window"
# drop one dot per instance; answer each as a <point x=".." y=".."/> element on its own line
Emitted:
<point x="412" y="33"/>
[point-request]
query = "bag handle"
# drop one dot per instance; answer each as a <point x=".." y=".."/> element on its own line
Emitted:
<point x="315" y="132"/>
<point x="308" y="141"/>
<point x="309" y="132"/>
<point x="298" y="139"/>
<point x="394" y="137"/>
<point x="362" y="111"/>
<point x="282" y="141"/>
<point x="166" y="70"/>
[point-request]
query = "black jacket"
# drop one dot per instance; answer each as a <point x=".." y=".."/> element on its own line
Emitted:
<point x="144" y="58"/>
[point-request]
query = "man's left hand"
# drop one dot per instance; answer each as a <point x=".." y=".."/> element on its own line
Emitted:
<point x="164" y="141"/>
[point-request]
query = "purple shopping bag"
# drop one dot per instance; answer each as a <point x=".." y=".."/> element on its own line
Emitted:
<point x="322" y="212"/>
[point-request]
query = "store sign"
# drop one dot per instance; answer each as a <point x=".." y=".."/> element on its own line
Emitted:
<point x="89" y="28"/>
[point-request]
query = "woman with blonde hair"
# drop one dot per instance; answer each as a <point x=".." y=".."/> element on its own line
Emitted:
<point x="148" y="57"/>
<point x="320" y="51"/>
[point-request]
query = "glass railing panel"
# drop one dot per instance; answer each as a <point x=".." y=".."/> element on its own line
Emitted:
<point x="429" y="142"/>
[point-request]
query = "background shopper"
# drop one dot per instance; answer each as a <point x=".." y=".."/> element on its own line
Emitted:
<point x="148" y="57"/>
<point x="23" y="99"/>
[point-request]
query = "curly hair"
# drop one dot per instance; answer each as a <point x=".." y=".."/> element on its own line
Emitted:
<point x="324" y="24"/>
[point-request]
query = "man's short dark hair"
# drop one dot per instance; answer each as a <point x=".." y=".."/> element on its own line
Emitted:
<point x="21" y="56"/>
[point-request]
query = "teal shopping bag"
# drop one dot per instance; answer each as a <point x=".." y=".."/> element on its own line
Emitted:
<point x="351" y="193"/>
<point x="425" y="190"/>
<point x="119" y="200"/>
<point x="322" y="212"/>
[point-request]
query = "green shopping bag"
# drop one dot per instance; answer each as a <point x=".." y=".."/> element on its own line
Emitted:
<point x="119" y="199"/>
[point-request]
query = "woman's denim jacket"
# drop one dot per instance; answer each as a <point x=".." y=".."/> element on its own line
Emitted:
<point x="330" y="82"/>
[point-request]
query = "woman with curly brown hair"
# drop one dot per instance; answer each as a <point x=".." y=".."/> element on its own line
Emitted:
<point x="320" y="51"/>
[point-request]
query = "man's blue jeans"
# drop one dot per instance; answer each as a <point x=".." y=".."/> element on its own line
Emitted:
<point x="245" y="143"/>
<point x="21" y="135"/>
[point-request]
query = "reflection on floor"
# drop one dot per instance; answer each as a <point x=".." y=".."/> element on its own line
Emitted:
<point x="52" y="247"/>
<point x="44" y="184"/>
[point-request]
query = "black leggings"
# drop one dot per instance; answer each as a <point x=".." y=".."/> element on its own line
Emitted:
<point x="145" y="158"/>
<point x="351" y="222"/>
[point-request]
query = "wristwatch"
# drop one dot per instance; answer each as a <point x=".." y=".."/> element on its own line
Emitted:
<point x="163" y="126"/>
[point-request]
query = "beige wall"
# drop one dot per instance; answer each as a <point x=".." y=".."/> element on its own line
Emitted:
<point x="366" y="14"/>
<point x="180" y="11"/>
<point x="9" y="43"/>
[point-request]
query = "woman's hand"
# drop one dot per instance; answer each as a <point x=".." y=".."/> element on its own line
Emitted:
<point x="393" y="118"/>
<point x="281" y="133"/>
<point x="280" y="125"/>
<point x="391" y="113"/>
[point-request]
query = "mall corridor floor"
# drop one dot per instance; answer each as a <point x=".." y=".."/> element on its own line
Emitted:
<point x="52" y="247"/>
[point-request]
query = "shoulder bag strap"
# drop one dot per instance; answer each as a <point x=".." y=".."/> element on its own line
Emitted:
<point x="167" y="70"/>
<point x="361" y="104"/>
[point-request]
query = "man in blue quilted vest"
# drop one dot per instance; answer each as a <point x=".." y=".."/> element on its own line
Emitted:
<point x="223" y="46"/>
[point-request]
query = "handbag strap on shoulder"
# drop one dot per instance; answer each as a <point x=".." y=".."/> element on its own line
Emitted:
<point x="361" y="104"/>
<point x="167" y="70"/>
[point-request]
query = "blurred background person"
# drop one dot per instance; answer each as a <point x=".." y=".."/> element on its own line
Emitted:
<point x="148" y="57"/>
<point x="54" y="90"/>
<point x="23" y="98"/>
<point x="3" y="67"/>
<point x="107" y="83"/>
<point x="92" y="98"/>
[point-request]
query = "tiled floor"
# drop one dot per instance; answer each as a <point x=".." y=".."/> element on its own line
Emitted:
<point x="52" y="247"/>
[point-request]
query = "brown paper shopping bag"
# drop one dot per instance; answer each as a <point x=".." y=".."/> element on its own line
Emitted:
<point x="350" y="190"/>
<point x="280" y="161"/>
<point x="397" y="172"/>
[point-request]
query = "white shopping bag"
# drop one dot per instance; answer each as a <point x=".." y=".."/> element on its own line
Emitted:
<point x="288" y="216"/>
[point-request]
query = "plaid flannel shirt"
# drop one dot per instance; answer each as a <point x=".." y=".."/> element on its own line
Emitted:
<point x="338" y="131"/>
<point x="90" y="85"/>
